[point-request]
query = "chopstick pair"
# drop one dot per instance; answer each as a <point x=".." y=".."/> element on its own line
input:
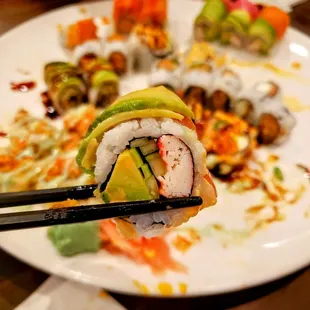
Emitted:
<point x="69" y="215"/>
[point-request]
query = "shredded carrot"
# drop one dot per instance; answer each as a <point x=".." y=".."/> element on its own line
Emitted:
<point x="65" y="204"/>
<point x="56" y="169"/>
<point x="7" y="163"/>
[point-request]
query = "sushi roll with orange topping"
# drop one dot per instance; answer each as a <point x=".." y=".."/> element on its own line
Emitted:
<point x="267" y="29"/>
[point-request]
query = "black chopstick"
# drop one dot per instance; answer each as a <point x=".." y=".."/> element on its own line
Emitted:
<point x="50" y="217"/>
<point x="14" y="199"/>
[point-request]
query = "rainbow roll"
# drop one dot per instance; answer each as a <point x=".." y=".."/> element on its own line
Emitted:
<point x="143" y="147"/>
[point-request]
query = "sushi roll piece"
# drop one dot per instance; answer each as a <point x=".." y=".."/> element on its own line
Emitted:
<point x="235" y="26"/>
<point x="144" y="146"/>
<point x="102" y="82"/>
<point x="104" y="88"/>
<point x="208" y="23"/>
<point x="275" y="123"/>
<point x="116" y="51"/>
<point x="126" y="14"/>
<point x="66" y="87"/>
<point x="250" y="101"/>
<point x="148" y="43"/>
<point x="85" y="37"/>
<point x="225" y="89"/>
<point x="267" y="29"/>
<point x="166" y="73"/>
<point x="229" y="141"/>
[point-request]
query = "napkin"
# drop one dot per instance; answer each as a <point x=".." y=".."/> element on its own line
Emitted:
<point x="59" y="294"/>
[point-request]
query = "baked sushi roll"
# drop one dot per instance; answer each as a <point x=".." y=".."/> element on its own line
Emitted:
<point x="166" y="73"/>
<point x="126" y="15"/>
<point x="235" y="27"/>
<point x="116" y="51"/>
<point x="65" y="86"/>
<point x="225" y="89"/>
<point x="250" y="102"/>
<point x="143" y="147"/>
<point x="85" y="37"/>
<point x="148" y="43"/>
<point x="207" y="24"/>
<point x="229" y="141"/>
<point x="267" y="29"/>
<point x="275" y="123"/>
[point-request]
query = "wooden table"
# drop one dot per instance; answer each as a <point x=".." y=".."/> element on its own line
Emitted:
<point x="18" y="280"/>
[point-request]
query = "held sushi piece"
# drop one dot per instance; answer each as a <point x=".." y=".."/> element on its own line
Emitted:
<point x="235" y="27"/>
<point x="268" y="28"/>
<point x="66" y="87"/>
<point x="144" y="146"/>
<point x="166" y="73"/>
<point x="225" y="89"/>
<point x="126" y="14"/>
<point x="116" y="51"/>
<point x="251" y="100"/>
<point x="229" y="141"/>
<point x="207" y="23"/>
<point x="85" y="37"/>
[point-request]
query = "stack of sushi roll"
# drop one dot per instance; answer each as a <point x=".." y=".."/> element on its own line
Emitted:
<point x="242" y="24"/>
<point x="102" y="82"/>
<point x="150" y="40"/>
<point x="85" y="37"/>
<point x="166" y="72"/>
<point x="262" y="106"/>
<point x="116" y="51"/>
<point x="65" y="86"/>
<point x="126" y="14"/>
<point x="144" y="147"/>
<point x="235" y="27"/>
<point x="229" y="141"/>
<point x="225" y="89"/>
<point x="267" y="29"/>
<point x="207" y="25"/>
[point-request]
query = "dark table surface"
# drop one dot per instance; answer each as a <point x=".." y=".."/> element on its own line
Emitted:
<point x="18" y="280"/>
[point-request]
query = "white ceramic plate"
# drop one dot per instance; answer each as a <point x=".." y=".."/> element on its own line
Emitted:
<point x="229" y="257"/>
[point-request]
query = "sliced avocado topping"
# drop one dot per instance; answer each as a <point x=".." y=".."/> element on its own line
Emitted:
<point x="99" y="131"/>
<point x="103" y="76"/>
<point x="126" y="182"/>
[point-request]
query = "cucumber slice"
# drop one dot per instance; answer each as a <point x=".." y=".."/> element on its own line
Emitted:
<point x="105" y="197"/>
<point x="146" y="171"/>
<point x="136" y="156"/>
<point x="152" y="185"/>
<point x="157" y="164"/>
<point x="149" y="148"/>
<point x="139" y="142"/>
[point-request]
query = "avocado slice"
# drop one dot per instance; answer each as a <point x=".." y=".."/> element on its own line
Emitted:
<point x="137" y="157"/>
<point x="146" y="171"/>
<point x="126" y="182"/>
<point x="149" y="98"/>
<point x="103" y="76"/>
<point x="151" y="102"/>
<point x="264" y="32"/>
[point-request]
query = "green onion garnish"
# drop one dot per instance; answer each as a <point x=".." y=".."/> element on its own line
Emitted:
<point x="278" y="173"/>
